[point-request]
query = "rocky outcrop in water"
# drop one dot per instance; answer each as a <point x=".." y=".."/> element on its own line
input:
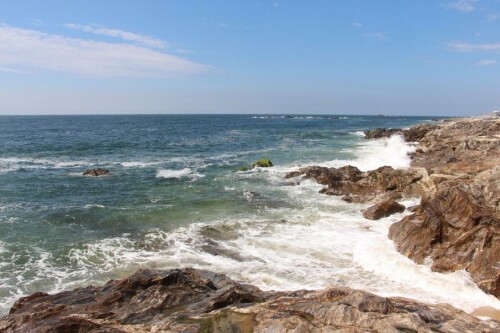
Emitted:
<point x="190" y="300"/>
<point x="96" y="172"/>
<point x="383" y="209"/>
<point x="377" y="185"/>
<point x="413" y="134"/>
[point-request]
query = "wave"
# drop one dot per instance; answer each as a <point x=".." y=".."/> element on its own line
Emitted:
<point x="186" y="172"/>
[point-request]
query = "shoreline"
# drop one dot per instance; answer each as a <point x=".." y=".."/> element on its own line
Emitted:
<point x="428" y="181"/>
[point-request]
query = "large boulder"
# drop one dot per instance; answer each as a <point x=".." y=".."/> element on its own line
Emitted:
<point x="189" y="300"/>
<point x="383" y="209"/>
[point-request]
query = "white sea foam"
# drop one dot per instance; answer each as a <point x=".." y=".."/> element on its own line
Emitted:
<point x="358" y="133"/>
<point x="393" y="151"/>
<point x="186" y="172"/>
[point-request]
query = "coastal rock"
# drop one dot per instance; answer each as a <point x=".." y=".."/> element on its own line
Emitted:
<point x="464" y="147"/>
<point x="96" y="172"/>
<point x="457" y="224"/>
<point x="189" y="300"/>
<point x="353" y="185"/>
<point x="378" y="133"/>
<point x="262" y="163"/>
<point x="416" y="133"/>
<point x="383" y="209"/>
<point x="457" y="231"/>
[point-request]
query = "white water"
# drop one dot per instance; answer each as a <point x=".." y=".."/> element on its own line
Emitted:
<point x="317" y="242"/>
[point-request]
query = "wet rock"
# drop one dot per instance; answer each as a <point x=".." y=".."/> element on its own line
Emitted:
<point x="189" y="300"/>
<point x="354" y="185"/>
<point x="96" y="172"/>
<point x="457" y="224"/>
<point x="416" y="133"/>
<point x="457" y="231"/>
<point x="383" y="209"/>
<point x="412" y="208"/>
<point x="378" y="133"/>
<point x="263" y="163"/>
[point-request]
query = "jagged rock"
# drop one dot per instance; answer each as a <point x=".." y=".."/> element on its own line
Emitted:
<point x="383" y="209"/>
<point x="455" y="230"/>
<point x="354" y="185"/>
<point x="458" y="222"/>
<point x="189" y="300"/>
<point x="471" y="146"/>
<point x="378" y="133"/>
<point x="96" y="172"/>
<point x="416" y="133"/>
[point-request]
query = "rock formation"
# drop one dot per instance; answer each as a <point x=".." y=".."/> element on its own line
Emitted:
<point x="383" y="209"/>
<point x="96" y="172"/>
<point x="456" y="171"/>
<point x="190" y="300"/>
<point x="353" y="185"/>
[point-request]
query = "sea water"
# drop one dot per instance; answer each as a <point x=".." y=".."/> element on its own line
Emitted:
<point x="175" y="193"/>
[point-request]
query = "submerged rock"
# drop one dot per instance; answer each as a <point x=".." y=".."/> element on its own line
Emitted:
<point x="189" y="300"/>
<point x="383" y="209"/>
<point x="96" y="172"/>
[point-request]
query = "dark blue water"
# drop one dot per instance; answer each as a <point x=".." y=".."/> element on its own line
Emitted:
<point x="170" y="176"/>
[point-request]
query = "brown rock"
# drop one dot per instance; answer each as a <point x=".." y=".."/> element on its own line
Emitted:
<point x="189" y="300"/>
<point x="96" y="172"/>
<point x="354" y="185"/>
<point x="383" y="209"/>
<point x="457" y="231"/>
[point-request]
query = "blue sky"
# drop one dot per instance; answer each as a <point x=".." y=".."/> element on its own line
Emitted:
<point x="338" y="57"/>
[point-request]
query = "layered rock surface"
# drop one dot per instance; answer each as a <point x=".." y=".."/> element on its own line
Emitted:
<point x="190" y="300"/>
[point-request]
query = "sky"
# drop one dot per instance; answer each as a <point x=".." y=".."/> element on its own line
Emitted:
<point x="393" y="57"/>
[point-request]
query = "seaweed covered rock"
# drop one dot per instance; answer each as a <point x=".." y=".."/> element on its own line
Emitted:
<point x="262" y="163"/>
<point x="378" y="133"/>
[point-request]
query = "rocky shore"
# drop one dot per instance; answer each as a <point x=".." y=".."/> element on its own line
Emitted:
<point x="456" y="173"/>
<point x="190" y="300"/>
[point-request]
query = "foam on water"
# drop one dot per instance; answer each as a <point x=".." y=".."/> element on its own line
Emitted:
<point x="186" y="172"/>
<point x="291" y="238"/>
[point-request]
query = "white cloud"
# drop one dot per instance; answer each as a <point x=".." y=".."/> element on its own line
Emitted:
<point x="378" y="35"/>
<point x="25" y="50"/>
<point x="465" y="6"/>
<point x="486" y="62"/>
<point x="468" y="47"/>
<point x="357" y="24"/>
<point x="116" y="33"/>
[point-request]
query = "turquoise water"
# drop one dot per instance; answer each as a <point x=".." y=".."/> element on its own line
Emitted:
<point x="171" y="177"/>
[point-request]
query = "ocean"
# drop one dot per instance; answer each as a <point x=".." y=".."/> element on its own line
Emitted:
<point x="175" y="197"/>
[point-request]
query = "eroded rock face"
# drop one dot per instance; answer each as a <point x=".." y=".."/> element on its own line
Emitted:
<point x="455" y="230"/>
<point x="353" y="185"/>
<point x="383" y="209"/>
<point x="96" y="172"/>
<point x="458" y="222"/>
<point x="188" y="300"/>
